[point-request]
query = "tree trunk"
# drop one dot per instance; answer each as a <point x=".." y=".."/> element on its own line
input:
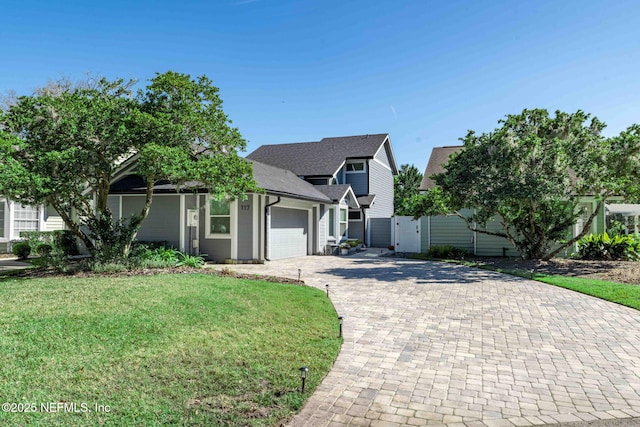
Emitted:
<point x="143" y="215"/>
<point x="585" y="228"/>
<point x="74" y="227"/>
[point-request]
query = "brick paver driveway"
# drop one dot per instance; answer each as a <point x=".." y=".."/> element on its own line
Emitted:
<point x="438" y="344"/>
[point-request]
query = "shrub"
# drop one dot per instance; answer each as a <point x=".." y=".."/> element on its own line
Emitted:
<point x="186" y="260"/>
<point x="447" y="251"/>
<point x="44" y="249"/>
<point x="64" y="241"/>
<point x="21" y="250"/>
<point x="606" y="247"/>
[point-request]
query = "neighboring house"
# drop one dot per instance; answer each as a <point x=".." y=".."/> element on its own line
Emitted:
<point x="451" y="230"/>
<point x="15" y="218"/>
<point x="345" y="168"/>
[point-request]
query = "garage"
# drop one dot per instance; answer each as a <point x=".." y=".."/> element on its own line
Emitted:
<point x="289" y="233"/>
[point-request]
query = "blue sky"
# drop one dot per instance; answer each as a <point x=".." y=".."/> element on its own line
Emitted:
<point x="292" y="71"/>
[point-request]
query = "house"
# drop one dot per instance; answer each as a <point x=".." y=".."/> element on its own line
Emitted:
<point x="451" y="230"/>
<point x="304" y="210"/>
<point x="15" y="218"/>
<point x="343" y="167"/>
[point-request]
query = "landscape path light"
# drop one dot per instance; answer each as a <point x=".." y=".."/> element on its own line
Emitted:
<point x="303" y="376"/>
<point x="327" y="286"/>
<point x="341" y="319"/>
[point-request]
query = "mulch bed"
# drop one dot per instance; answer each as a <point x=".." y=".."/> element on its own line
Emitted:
<point x="225" y="272"/>
<point x="613" y="271"/>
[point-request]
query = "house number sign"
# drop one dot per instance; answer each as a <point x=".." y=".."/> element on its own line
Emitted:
<point x="245" y="207"/>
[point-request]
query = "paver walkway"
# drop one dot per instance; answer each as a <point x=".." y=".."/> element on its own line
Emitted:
<point x="439" y="344"/>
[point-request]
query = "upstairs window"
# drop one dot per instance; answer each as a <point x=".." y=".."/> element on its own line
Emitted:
<point x="356" y="167"/>
<point x="355" y="215"/>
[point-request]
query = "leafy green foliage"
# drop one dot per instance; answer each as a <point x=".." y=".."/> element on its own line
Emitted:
<point x="44" y="249"/>
<point x="21" y="249"/>
<point x="531" y="174"/>
<point x="406" y="185"/>
<point x="63" y="147"/>
<point x="446" y="251"/>
<point x="609" y="247"/>
<point x="193" y="261"/>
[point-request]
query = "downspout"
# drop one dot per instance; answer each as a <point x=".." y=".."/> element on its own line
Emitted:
<point x="267" y="210"/>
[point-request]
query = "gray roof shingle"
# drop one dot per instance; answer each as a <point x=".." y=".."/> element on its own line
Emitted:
<point x="439" y="158"/>
<point x="273" y="180"/>
<point x="322" y="158"/>
<point x="285" y="183"/>
<point x="334" y="192"/>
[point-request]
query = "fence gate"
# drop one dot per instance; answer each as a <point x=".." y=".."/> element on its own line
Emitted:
<point x="407" y="234"/>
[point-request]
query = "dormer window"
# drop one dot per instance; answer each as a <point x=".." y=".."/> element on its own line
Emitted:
<point x="356" y="167"/>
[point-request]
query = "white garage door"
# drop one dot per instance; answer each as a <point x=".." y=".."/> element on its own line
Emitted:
<point x="289" y="232"/>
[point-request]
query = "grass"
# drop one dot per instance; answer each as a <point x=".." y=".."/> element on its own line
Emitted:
<point x="628" y="295"/>
<point x="161" y="350"/>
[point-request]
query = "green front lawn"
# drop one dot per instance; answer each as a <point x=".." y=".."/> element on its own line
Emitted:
<point x="620" y="293"/>
<point x="160" y="350"/>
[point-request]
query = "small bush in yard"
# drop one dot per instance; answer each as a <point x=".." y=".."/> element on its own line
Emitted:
<point x="606" y="247"/>
<point x="446" y="252"/>
<point x="186" y="260"/>
<point x="21" y="250"/>
<point x="44" y="249"/>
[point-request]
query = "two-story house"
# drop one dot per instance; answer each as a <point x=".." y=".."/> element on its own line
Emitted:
<point x="315" y="194"/>
<point x="344" y="168"/>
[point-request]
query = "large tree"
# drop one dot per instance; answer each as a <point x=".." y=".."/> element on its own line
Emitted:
<point x="406" y="185"/>
<point x="531" y="174"/>
<point x="63" y="145"/>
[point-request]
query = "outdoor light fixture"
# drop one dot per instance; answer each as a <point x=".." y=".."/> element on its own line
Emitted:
<point x="340" y="318"/>
<point x="327" y="286"/>
<point x="299" y="272"/>
<point x="303" y="376"/>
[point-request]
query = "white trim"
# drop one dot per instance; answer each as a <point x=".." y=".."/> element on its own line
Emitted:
<point x="255" y="235"/>
<point x="335" y="174"/>
<point x="41" y="223"/>
<point x="182" y="223"/>
<point x="310" y="231"/>
<point x="346" y="222"/>
<point x="9" y="218"/>
<point x="390" y="155"/>
<point x="197" y="251"/>
<point x="120" y="207"/>
<point x="234" y="229"/>
<point x="382" y="164"/>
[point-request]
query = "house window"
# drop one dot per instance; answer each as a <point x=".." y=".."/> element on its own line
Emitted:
<point x="343" y="222"/>
<point x="25" y="218"/>
<point x="332" y="223"/>
<point x="356" y="167"/>
<point x="355" y="215"/>
<point x="219" y="218"/>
